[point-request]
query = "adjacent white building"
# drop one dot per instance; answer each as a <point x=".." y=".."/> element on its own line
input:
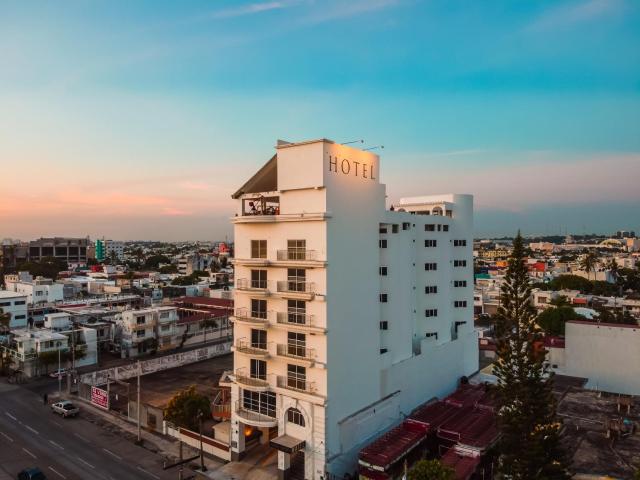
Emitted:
<point x="348" y="314"/>
<point x="14" y="304"/>
<point x="140" y="331"/>
<point x="38" y="290"/>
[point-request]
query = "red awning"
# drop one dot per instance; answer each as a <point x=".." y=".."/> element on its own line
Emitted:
<point x="463" y="467"/>
<point x="434" y="414"/>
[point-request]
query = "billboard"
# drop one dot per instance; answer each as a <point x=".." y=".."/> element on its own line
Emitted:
<point x="100" y="397"/>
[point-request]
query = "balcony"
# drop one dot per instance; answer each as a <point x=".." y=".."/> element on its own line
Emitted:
<point x="260" y="205"/>
<point x="253" y="319"/>
<point x="296" y="289"/>
<point x="253" y="286"/>
<point x="255" y="419"/>
<point x="298" y="321"/>
<point x="251" y="383"/>
<point x="253" y="349"/>
<point x="297" y="385"/>
<point x="296" y="352"/>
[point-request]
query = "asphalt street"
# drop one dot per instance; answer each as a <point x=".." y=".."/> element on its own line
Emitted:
<point x="66" y="448"/>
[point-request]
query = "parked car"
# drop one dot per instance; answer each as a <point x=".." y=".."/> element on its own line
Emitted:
<point x="65" y="408"/>
<point x="62" y="372"/>
<point x="31" y="474"/>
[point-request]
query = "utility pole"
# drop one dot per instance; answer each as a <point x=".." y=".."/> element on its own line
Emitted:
<point x="202" y="467"/>
<point x="59" y="373"/>
<point x="138" y="408"/>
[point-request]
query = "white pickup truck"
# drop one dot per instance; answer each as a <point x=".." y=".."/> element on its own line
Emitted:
<point x="65" y="408"/>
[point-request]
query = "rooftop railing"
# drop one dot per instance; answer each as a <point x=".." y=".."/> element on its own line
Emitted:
<point x="261" y="206"/>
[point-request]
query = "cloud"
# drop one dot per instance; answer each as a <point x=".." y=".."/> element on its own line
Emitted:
<point x="250" y="9"/>
<point x="340" y="10"/>
<point x="193" y="186"/>
<point x="174" y="212"/>
<point x="564" y="16"/>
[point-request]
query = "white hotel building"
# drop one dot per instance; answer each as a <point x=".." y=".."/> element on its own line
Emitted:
<point x="348" y="314"/>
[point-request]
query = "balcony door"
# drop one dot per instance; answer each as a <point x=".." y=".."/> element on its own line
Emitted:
<point x="296" y="249"/>
<point x="258" y="369"/>
<point x="258" y="308"/>
<point x="296" y="279"/>
<point x="259" y="339"/>
<point x="258" y="279"/>
<point x="296" y="377"/>
<point x="296" y="311"/>
<point x="296" y="344"/>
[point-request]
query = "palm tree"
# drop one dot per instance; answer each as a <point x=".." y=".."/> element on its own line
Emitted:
<point x="589" y="262"/>
<point x="613" y="268"/>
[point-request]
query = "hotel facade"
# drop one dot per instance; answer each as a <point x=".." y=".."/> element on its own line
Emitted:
<point x="348" y="314"/>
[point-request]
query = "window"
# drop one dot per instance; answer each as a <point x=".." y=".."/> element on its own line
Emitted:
<point x="260" y="402"/>
<point x="259" y="338"/>
<point x="140" y="333"/>
<point x="439" y="227"/>
<point x="296" y="377"/>
<point x="383" y="298"/>
<point x="258" y="369"/>
<point x="394" y="228"/>
<point x="165" y="328"/>
<point x="20" y="317"/>
<point x="5" y="304"/>
<point x="431" y="289"/>
<point x="296" y="249"/>
<point x="295" y="416"/>
<point x="383" y="230"/>
<point x="383" y="243"/>
<point x="436" y="211"/>
<point x="430" y="266"/>
<point x="445" y="228"/>
<point x="429" y="227"/>
<point x="383" y="350"/>
<point x="258" y="279"/>
<point x="406" y="226"/>
<point x="296" y="311"/>
<point x="19" y="302"/>
<point x="258" y="249"/>
<point x="459" y="283"/>
<point x="460" y="304"/>
<point x="151" y="420"/>
<point x="383" y="271"/>
<point x="449" y="213"/>
<point x="258" y="308"/>
<point x="296" y="344"/>
<point x="460" y="243"/>
<point x="140" y="320"/>
<point x="384" y="325"/>
<point x="431" y="312"/>
<point x="296" y="279"/>
<point x="459" y="263"/>
<point x="430" y="243"/>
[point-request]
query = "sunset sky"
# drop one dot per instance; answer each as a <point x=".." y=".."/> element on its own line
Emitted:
<point x="137" y="120"/>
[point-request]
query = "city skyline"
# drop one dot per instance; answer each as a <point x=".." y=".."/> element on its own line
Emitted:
<point x="139" y="121"/>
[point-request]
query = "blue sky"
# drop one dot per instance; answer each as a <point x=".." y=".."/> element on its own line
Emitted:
<point x="139" y="119"/>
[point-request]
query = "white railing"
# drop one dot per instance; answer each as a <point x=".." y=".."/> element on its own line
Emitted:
<point x="297" y="384"/>
<point x="296" y="351"/>
<point x="296" y="286"/>
<point x="249" y="284"/>
<point x="244" y="346"/>
<point x="296" y="254"/>
<point x="296" y="319"/>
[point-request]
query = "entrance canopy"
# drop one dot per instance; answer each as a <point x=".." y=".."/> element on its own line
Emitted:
<point x="287" y="444"/>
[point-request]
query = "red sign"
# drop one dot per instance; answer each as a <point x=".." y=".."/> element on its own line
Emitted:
<point x="100" y="397"/>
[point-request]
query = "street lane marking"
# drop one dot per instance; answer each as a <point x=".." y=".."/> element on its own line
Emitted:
<point x="57" y="472"/>
<point x="86" y="463"/>
<point x="32" y="429"/>
<point x="81" y="437"/>
<point x="56" y="423"/>
<point x="27" y="451"/>
<point x="148" y="472"/>
<point x="112" y="454"/>
<point x="10" y="416"/>
<point x="56" y="444"/>
<point x="6" y="436"/>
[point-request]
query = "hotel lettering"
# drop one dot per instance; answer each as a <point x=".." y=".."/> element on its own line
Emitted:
<point x="351" y="167"/>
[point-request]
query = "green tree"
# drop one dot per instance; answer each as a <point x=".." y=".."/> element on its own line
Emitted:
<point x="553" y="319"/>
<point x="48" y="267"/>
<point x="153" y="261"/>
<point x="182" y="410"/>
<point x="529" y="446"/>
<point x="168" y="269"/>
<point x="589" y="262"/>
<point x="430" y="470"/>
<point x="559" y="301"/>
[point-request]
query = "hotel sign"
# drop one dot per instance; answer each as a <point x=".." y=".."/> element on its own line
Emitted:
<point x="351" y="167"/>
<point x="100" y="397"/>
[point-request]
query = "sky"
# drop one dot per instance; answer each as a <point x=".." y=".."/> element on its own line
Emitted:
<point x="137" y="120"/>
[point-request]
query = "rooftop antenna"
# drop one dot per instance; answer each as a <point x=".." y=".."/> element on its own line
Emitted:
<point x="353" y="141"/>
<point x="381" y="147"/>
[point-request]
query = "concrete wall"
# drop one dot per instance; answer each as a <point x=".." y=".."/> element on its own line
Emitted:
<point x="608" y="355"/>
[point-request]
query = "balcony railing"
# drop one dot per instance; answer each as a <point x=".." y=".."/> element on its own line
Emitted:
<point x="297" y="254"/>
<point x="297" y="384"/>
<point x="265" y="417"/>
<point x="296" y="286"/>
<point x="296" y="319"/>
<point x="248" y="316"/>
<point x="250" y="284"/>
<point x="244" y="346"/>
<point x="244" y="378"/>
<point x="296" y="351"/>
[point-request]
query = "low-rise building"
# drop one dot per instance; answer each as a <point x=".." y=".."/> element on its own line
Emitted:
<point x="14" y="304"/>
<point x="38" y="290"/>
<point x="150" y="329"/>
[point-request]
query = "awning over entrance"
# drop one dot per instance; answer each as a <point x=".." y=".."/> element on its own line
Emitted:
<point x="287" y="444"/>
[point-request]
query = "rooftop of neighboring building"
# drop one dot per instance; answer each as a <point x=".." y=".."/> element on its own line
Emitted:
<point x="10" y="294"/>
<point x="38" y="333"/>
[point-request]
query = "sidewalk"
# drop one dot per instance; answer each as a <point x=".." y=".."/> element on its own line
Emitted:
<point x="168" y="447"/>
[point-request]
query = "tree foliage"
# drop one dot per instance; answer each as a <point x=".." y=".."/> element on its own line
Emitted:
<point x="153" y="261"/>
<point x="183" y="409"/>
<point x="430" y="470"/>
<point x="530" y="432"/>
<point x="552" y="320"/>
<point x="48" y="267"/>
<point x="575" y="282"/>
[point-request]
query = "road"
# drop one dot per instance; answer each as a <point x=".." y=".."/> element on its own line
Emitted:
<point x="71" y="448"/>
